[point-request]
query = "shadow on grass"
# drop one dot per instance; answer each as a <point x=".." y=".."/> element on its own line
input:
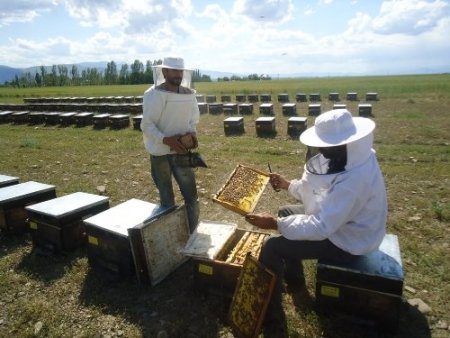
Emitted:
<point x="48" y="267"/>
<point x="10" y="243"/>
<point x="411" y="323"/>
<point x="172" y="306"/>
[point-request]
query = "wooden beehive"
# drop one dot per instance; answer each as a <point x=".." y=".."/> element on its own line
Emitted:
<point x="365" y="109"/>
<point x="265" y="97"/>
<point x="314" y="109"/>
<point x="252" y="98"/>
<point x="210" y="98"/>
<point x="352" y="96"/>
<point x="203" y="107"/>
<point x="218" y="252"/>
<point x="137" y="239"/>
<point x="36" y="118"/>
<point x="51" y="118"/>
<point x="283" y="97"/>
<point x="241" y="98"/>
<point x="369" y="286"/>
<point x="101" y="121"/>
<point x="83" y="119"/>
<point x="296" y="126"/>
<point x="245" y="108"/>
<point x="225" y="98"/>
<point x="5" y="116"/>
<point x="14" y="199"/>
<point x="230" y="108"/>
<point x="242" y="190"/>
<point x="371" y="96"/>
<point x="215" y="108"/>
<point x="20" y="117"/>
<point x="57" y="224"/>
<point x="289" y="109"/>
<point x="314" y="97"/>
<point x="6" y="180"/>
<point x="137" y="121"/>
<point x="233" y="125"/>
<point x="333" y="97"/>
<point x="119" y="121"/>
<point x="301" y="97"/>
<point x="200" y="98"/>
<point x="265" y="126"/>
<point x="339" y="106"/>
<point x="266" y="109"/>
<point x="66" y="119"/>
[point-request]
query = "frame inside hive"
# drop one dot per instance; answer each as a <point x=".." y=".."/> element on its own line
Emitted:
<point x="242" y="190"/>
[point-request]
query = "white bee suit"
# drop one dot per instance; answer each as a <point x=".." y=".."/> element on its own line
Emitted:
<point x="167" y="114"/>
<point x="349" y="208"/>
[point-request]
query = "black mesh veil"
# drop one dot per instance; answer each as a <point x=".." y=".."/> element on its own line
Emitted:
<point x="329" y="160"/>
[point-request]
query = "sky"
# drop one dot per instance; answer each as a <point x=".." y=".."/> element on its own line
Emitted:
<point x="321" y="37"/>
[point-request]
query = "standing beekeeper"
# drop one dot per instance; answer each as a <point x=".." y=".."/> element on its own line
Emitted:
<point x="169" y="122"/>
<point x="344" y="204"/>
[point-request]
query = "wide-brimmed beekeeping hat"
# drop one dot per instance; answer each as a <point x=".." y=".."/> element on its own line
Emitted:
<point x="336" y="127"/>
<point x="172" y="62"/>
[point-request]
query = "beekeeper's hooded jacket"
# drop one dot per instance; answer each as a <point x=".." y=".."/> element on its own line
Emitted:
<point x="349" y="208"/>
<point x="167" y="114"/>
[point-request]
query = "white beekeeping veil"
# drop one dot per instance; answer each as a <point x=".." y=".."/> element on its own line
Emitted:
<point x="172" y="63"/>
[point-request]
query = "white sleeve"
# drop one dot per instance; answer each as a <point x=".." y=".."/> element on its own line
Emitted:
<point x="195" y="116"/>
<point x="295" y="188"/>
<point x="336" y="209"/>
<point x="153" y="105"/>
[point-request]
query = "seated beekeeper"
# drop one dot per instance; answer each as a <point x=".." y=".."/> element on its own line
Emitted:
<point x="344" y="204"/>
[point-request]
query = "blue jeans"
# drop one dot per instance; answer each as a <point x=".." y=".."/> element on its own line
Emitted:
<point x="162" y="170"/>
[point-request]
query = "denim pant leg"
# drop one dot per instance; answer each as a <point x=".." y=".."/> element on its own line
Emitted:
<point x="162" y="176"/>
<point x="185" y="177"/>
<point x="293" y="268"/>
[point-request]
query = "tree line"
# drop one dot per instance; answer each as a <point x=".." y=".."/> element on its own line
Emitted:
<point x="63" y="75"/>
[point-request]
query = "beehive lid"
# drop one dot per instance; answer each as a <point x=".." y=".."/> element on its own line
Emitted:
<point x="7" y="180"/>
<point x="61" y="206"/>
<point x="242" y="190"/>
<point x="128" y="214"/>
<point x="208" y="239"/>
<point x="265" y="119"/>
<point x="298" y="119"/>
<point x="18" y="191"/>
<point x="234" y="119"/>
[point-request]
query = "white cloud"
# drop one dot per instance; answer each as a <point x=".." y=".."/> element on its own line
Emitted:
<point x="102" y="13"/>
<point x="23" y="10"/>
<point x="409" y="17"/>
<point x="266" y="11"/>
<point x="249" y="36"/>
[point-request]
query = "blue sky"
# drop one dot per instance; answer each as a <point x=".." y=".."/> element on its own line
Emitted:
<point x="321" y="37"/>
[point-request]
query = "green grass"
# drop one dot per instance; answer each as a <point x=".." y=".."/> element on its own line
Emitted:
<point x="412" y="143"/>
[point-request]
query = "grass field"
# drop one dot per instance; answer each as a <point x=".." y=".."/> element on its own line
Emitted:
<point x="59" y="296"/>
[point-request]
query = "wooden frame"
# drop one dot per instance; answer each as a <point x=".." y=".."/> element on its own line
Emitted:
<point x="251" y="298"/>
<point x="250" y="198"/>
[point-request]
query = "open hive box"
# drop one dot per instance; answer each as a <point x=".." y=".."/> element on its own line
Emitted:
<point x="218" y="252"/>
<point x="242" y="190"/>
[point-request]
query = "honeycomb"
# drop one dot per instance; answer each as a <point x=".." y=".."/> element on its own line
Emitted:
<point x="243" y="189"/>
<point x="250" y="242"/>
